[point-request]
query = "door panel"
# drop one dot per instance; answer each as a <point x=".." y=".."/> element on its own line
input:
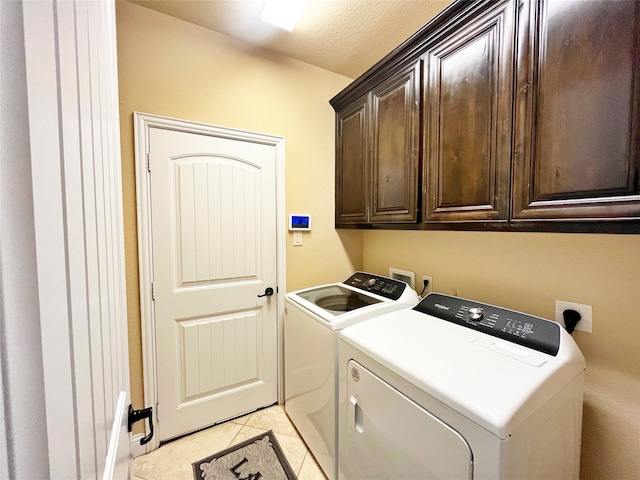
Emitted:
<point x="578" y="105"/>
<point x="352" y="203"/>
<point x="217" y="352"/>
<point x="396" y="138"/>
<point x="213" y="228"/>
<point x="468" y="122"/>
<point x="216" y="236"/>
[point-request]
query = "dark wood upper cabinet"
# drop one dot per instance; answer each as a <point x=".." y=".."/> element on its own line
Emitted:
<point x="377" y="153"/>
<point x="467" y="124"/>
<point x="352" y="170"/>
<point x="395" y="128"/>
<point x="518" y="115"/>
<point x="577" y="153"/>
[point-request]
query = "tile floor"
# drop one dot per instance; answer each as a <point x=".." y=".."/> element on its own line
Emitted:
<point x="173" y="460"/>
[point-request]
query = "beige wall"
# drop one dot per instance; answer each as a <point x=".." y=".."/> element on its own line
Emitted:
<point x="173" y="68"/>
<point x="528" y="272"/>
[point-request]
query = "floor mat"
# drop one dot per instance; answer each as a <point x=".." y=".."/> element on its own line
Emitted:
<point x="259" y="458"/>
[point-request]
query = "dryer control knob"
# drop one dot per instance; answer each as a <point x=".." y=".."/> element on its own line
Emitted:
<point x="371" y="282"/>
<point x="475" y="314"/>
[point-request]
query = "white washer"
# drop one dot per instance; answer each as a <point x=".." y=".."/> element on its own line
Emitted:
<point x="312" y="324"/>
<point x="456" y="389"/>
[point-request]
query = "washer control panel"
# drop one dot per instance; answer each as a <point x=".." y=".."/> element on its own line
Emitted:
<point x="521" y="328"/>
<point x="383" y="286"/>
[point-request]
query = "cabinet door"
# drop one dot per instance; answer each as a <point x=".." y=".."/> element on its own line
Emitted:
<point x="577" y="117"/>
<point x="468" y="120"/>
<point x="395" y="125"/>
<point x="351" y="164"/>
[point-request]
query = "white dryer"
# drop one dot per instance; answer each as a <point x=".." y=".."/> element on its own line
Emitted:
<point x="312" y="324"/>
<point x="456" y="389"/>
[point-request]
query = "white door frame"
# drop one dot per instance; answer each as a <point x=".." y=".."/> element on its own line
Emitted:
<point x="142" y="123"/>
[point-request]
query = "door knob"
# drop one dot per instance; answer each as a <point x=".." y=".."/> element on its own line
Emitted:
<point x="267" y="293"/>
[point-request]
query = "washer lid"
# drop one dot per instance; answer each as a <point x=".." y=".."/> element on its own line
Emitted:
<point x="337" y="299"/>
<point x="495" y="383"/>
<point x="361" y="296"/>
<point x="336" y="320"/>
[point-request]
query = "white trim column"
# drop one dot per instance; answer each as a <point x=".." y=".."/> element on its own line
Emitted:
<point x="63" y="334"/>
<point x="23" y="438"/>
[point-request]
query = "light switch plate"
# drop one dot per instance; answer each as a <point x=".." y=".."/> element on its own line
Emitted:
<point x="297" y="239"/>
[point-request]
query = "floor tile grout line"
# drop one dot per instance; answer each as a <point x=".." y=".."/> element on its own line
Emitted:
<point x="240" y="431"/>
<point x="304" y="459"/>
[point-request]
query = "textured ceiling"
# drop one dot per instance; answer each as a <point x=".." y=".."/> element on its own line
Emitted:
<point x="343" y="36"/>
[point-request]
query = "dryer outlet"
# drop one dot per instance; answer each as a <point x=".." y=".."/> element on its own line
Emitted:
<point x="429" y="285"/>
<point x="586" y="315"/>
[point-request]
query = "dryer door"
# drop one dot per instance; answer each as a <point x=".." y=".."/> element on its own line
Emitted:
<point x="390" y="436"/>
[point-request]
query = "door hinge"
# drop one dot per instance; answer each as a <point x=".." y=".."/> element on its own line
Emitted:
<point x="149" y="162"/>
<point x="157" y="412"/>
<point x="153" y="291"/>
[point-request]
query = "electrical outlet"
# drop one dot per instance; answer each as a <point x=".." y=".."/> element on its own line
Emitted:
<point x="429" y="286"/>
<point x="586" y="314"/>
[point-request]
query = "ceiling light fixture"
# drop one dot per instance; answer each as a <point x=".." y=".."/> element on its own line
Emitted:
<point x="283" y="13"/>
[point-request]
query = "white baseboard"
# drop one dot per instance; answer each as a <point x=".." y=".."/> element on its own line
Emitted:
<point x="136" y="448"/>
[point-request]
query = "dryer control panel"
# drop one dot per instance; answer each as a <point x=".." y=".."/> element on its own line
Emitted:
<point x="521" y="328"/>
<point x="383" y="286"/>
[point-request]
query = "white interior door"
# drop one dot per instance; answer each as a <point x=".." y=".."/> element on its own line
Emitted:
<point x="213" y="223"/>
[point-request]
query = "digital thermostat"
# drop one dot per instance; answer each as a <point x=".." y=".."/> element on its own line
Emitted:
<point x="299" y="222"/>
